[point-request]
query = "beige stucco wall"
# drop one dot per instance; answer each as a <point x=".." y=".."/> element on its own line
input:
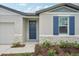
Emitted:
<point x="18" y="25"/>
<point x="17" y="19"/>
<point x="46" y="24"/>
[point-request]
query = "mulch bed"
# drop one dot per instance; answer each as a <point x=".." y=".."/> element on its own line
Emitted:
<point x="42" y="51"/>
<point x="71" y="49"/>
<point x="59" y="51"/>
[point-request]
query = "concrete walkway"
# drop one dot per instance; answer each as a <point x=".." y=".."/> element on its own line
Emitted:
<point x="6" y="49"/>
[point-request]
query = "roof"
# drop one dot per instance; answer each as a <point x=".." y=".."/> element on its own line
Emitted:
<point x="43" y="10"/>
<point x="59" y="5"/>
<point x="16" y="11"/>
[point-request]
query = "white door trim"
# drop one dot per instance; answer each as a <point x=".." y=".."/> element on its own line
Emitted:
<point x="36" y="31"/>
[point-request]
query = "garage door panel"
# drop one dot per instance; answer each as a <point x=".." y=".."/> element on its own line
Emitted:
<point x="6" y="33"/>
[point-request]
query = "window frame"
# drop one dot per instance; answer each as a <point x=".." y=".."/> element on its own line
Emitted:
<point x="67" y="25"/>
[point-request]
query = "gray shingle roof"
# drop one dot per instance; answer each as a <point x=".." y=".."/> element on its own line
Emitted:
<point x="59" y="5"/>
<point x="16" y="11"/>
<point x="43" y="10"/>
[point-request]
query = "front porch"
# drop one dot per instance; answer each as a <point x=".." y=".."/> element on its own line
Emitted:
<point x="30" y="29"/>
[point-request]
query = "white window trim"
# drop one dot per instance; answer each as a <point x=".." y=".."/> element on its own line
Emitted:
<point x="67" y="27"/>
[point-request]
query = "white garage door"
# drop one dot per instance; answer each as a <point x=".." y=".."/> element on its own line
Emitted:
<point x="6" y="32"/>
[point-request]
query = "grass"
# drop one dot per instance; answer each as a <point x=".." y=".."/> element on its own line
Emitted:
<point x="72" y="54"/>
<point x="18" y="54"/>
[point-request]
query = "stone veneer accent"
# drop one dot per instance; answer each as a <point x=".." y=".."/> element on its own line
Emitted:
<point x="59" y="38"/>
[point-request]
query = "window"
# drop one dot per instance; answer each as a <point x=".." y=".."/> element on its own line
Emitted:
<point x="63" y="24"/>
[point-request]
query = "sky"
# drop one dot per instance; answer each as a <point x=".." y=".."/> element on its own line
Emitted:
<point x="28" y="7"/>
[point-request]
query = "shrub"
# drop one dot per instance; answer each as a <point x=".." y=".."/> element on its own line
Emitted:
<point x="64" y="44"/>
<point x="76" y="45"/>
<point x="46" y="44"/>
<point x="17" y="44"/>
<point x="51" y="52"/>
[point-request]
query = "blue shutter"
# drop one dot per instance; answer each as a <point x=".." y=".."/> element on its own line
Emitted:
<point x="55" y="25"/>
<point x="71" y="25"/>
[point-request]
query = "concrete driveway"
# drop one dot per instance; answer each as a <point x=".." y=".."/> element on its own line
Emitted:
<point x="6" y="49"/>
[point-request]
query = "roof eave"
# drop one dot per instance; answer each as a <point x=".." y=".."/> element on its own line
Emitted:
<point x="58" y="5"/>
<point x="18" y="12"/>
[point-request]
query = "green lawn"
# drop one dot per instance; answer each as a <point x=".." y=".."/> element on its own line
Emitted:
<point x="18" y="54"/>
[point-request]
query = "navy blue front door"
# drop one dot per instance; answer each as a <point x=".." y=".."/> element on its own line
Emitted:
<point x="32" y="29"/>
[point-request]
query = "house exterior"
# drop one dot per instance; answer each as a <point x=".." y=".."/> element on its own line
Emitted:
<point x="59" y="22"/>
